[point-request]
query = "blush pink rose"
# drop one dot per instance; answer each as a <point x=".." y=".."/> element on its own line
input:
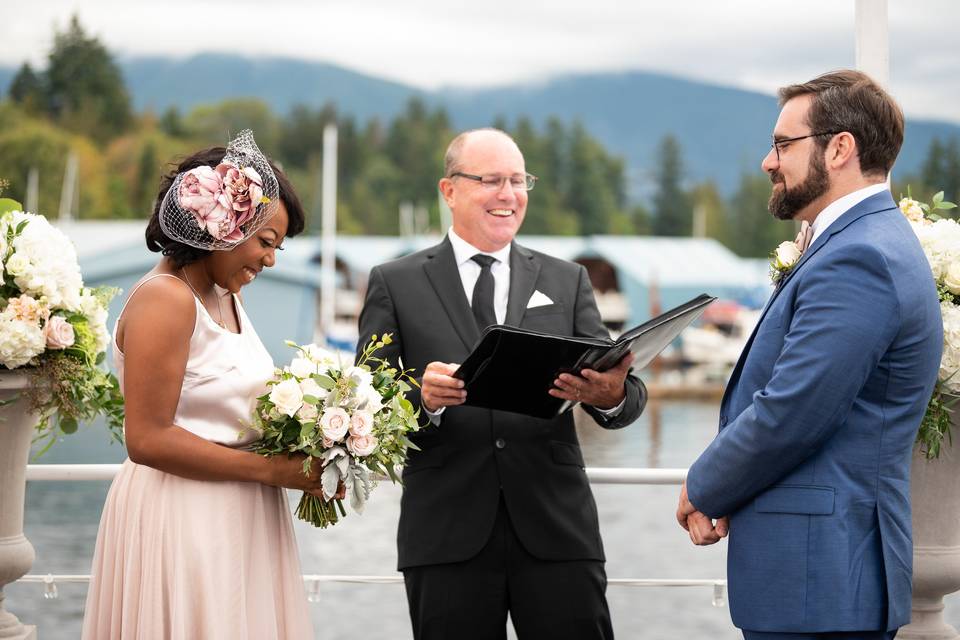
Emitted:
<point x="361" y="423"/>
<point x="242" y="188"/>
<point x="362" y="445"/>
<point x="334" y="423"/>
<point x="199" y="190"/>
<point x="201" y="193"/>
<point x="59" y="333"/>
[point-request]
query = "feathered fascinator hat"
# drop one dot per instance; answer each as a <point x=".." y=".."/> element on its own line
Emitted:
<point x="220" y="207"/>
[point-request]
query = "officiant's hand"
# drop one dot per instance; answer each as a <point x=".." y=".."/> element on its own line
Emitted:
<point x="601" y="390"/>
<point x="439" y="388"/>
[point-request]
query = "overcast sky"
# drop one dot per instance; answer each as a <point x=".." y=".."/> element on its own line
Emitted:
<point x="753" y="44"/>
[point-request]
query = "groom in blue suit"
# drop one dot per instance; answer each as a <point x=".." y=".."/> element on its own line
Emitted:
<point x="810" y="473"/>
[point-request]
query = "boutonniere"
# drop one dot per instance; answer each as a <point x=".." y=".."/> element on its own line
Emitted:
<point x="783" y="259"/>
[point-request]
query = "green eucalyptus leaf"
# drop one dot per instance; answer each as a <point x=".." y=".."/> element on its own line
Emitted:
<point x="9" y="204"/>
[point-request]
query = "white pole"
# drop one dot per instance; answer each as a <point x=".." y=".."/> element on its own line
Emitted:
<point x="446" y="216"/>
<point x="699" y="220"/>
<point x="68" y="190"/>
<point x="328" y="229"/>
<point x="33" y="191"/>
<point x="873" y="41"/>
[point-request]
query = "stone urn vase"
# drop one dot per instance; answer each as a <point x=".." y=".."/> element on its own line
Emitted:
<point x="16" y="553"/>
<point x="935" y="496"/>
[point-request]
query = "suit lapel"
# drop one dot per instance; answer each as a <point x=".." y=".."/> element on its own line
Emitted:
<point x="444" y="275"/>
<point x="874" y="204"/>
<point x="524" y="269"/>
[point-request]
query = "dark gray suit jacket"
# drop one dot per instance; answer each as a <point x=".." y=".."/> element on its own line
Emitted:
<point x="452" y="486"/>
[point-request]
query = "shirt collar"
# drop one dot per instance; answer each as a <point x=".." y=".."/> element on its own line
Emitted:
<point x="463" y="251"/>
<point x="841" y="205"/>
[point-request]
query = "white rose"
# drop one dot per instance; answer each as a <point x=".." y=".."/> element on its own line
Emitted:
<point x="787" y="254"/>
<point x="951" y="278"/>
<point x="287" y="397"/>
<point x="18" y="264"/>
<point x="310" y="388"/>
<point x="334" y="423"/>
<point x="359" y="376"/>
<point x="911" y="209"/>
<point x="361" y="423"/>
<point x="320" y="355"/>
<point x="302" y="368"/>
<point x="59" y="333"/>
<point x="369" y="399"/>
<point x="362" y="445"/>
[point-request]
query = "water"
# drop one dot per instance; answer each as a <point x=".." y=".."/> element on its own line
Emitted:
<point x="641" y="538"/>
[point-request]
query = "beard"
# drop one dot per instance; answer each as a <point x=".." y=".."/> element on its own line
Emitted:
<point x="785" y="203"/>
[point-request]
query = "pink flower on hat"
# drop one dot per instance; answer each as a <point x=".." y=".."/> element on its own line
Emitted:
<point x="201" y="193"/>
<point x="242" y="190"/>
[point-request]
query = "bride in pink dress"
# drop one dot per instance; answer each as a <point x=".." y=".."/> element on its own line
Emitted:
<point x="196" y="539"/>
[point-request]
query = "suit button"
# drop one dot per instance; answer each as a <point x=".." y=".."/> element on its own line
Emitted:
<point x="500" y="443"/>
<point x="723" y="421"/>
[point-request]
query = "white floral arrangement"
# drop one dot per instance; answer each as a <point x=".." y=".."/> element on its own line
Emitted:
<point x="53" y="328"/>
<point x="353" y="418"/>
<point x="940" y="239"/>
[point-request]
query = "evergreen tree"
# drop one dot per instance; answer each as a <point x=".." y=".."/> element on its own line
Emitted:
<point x="217" y="124"/>
<point x="750" y="231"/>
<point x="592" y="194"/>
<point x="171" y="123"/>
<point x="85" y="90"/>
<point x="26" y="89"/>
<point x="671" y="205"/>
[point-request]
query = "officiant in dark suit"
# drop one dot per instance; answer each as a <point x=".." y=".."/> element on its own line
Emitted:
<point x="497" y="515"/>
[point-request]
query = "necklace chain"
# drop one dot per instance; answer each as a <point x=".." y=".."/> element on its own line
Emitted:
<point x="219" y="306"/>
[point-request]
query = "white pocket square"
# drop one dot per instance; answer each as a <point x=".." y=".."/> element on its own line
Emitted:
<point x="538" y="299"/>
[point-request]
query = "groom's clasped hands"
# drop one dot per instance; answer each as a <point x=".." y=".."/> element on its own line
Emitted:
<point x="702" y="528"/>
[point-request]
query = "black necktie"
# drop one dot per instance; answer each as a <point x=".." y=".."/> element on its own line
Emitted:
<point x="482" y="301"/>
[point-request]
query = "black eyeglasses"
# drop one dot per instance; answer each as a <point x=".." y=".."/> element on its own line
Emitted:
<point x="776" y="143"/>
<point x="493" y="182"/>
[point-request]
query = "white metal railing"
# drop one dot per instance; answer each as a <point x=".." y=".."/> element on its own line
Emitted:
<point x="597" y="475"/>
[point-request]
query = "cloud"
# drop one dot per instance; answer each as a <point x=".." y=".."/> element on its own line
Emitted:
<point x="754" y="44"/>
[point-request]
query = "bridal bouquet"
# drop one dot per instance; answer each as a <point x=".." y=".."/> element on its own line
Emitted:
<point x="53" y="328"/>
<point x="940" y="239"/>
<point x="354" y="419"/>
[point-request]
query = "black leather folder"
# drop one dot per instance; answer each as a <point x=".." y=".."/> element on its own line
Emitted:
<point x="511" y="369"/>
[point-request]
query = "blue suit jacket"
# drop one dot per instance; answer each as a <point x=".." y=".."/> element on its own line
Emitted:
<point x="812" y="462"/>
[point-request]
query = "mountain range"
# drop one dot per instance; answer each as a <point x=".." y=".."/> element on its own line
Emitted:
<point x="723" y="131"/>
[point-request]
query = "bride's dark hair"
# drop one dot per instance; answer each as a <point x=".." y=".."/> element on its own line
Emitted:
<point x="183" y="254"/>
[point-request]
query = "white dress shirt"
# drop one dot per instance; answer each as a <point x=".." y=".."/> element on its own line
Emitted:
<point x="841" y="205"/>
<point x="463" y="253"/>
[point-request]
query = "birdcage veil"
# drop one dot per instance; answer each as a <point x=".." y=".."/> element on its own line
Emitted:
<point x="219" y="207"/>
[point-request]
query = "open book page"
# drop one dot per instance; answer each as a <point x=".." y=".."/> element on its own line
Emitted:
<point x="512" y="369"/>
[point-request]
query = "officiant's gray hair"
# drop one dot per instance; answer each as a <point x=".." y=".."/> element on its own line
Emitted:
<point x="451" y="160"/>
